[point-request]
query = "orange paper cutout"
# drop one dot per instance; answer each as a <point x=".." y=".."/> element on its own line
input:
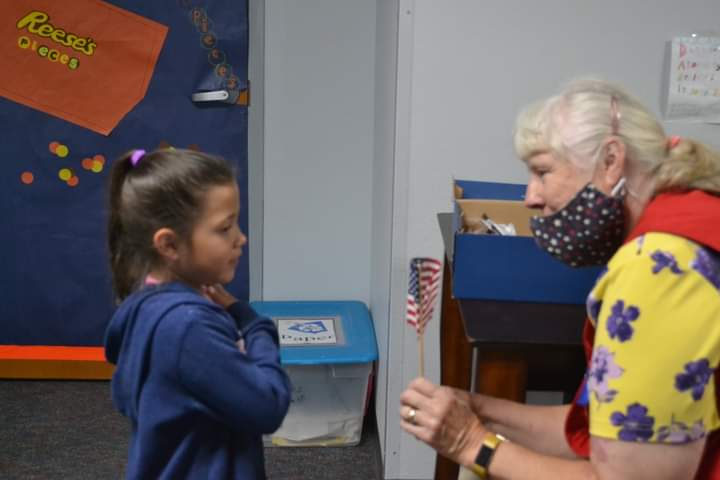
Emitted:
<point x="21" y="352"/>
<point x="86" y="61"/>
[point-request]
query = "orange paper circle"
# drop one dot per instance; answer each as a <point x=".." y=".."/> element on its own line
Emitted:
<point x="53" y="146"/>
<point x="99" y="158"/>
<point x="87" y="163"/>
<point x="27" y="178"/>
<point x="72" y="181"/>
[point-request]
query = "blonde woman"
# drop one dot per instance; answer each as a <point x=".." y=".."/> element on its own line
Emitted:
<point x="611" y="188"/>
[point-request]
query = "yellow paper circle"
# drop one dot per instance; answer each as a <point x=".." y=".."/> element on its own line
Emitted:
<point x="62" y="151"/>
<point x="65" y="174"/>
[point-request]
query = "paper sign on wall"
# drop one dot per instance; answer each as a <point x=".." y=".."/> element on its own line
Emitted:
<point x="89" y="63"/>
<point x="694" y="94"/>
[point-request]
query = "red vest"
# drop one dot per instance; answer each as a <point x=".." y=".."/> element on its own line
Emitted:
<point x="694" y="215"/>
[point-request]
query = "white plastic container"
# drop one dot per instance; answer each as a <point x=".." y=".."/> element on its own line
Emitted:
<point x="328" y="350"/>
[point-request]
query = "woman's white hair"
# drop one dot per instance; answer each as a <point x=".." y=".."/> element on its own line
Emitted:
<point x="574" y="124"/>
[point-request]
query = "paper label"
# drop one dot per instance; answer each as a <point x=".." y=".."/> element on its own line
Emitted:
<point x="307" y="331"/>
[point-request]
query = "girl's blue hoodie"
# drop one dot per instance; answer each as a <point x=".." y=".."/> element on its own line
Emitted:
<point x="198" y="406"/>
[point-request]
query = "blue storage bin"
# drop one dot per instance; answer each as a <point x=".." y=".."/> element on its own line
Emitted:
<point x="508" y="268"/>
<point x="328" y="349"/>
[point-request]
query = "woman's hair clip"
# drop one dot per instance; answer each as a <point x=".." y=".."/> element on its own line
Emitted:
<point x="673" y="141"/>
<point x="615" y="115"/>
<point x="136" y="156"/>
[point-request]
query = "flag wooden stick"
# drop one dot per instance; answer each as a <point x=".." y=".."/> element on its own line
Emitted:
<point x="421" y="354"/>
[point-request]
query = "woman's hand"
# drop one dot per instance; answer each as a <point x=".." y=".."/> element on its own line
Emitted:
<point x="217" y="293"/>
<point x="443" y="419"/>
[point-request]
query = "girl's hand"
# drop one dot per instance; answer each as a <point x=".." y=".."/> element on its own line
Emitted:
<point x="217" y="293"/>
<point x="443" y="419"/>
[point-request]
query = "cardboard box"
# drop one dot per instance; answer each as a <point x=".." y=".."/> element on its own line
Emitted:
<point x="507" y="268"/>
<point x="328" y="350"/>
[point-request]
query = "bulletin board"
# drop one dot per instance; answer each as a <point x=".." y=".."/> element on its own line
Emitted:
<point x="82" y="83"/>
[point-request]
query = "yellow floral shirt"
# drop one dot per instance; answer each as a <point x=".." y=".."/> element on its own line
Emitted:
<point x="656" y="311"/>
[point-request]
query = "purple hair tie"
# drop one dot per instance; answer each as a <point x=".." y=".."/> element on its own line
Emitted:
<point x="136" y="156"/>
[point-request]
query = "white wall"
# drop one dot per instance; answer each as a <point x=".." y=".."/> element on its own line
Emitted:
<point x="319" y="90"/>
<point x="405" y="456"/>
<point x="473" y="65"/>
<point x="330" y="217"/>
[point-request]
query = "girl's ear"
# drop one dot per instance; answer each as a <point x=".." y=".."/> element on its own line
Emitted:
<point x="165" y="242"/>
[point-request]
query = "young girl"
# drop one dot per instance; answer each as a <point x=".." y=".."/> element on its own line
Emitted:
<point x="198" y="372"/>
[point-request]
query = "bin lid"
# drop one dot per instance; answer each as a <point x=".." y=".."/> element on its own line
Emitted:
<point x="492" y="190"/>
<point x="343" y="331"/>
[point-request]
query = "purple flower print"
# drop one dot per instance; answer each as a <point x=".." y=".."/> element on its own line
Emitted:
<point x="602" y="369"/>
<point x="708" y="265"/>
<point x="618" y="323"/>
<point x="696" y="376"/>
<point x="664" y="260"/>
<point x="678" y="432"/>
<point x="637" y="425"/>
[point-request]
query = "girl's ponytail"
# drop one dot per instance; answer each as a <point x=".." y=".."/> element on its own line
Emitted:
<point x="121" y="264"/>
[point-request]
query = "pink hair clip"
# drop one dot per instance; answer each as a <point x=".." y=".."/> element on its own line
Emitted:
<point x="615" y="115"/>
<point x="673" y="141"/>
<point x="136" y="156"/>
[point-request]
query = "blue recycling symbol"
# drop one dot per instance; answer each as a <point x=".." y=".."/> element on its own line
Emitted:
<point x="309" y="327"/>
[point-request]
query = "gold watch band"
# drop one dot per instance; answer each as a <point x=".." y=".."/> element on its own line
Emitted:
<point x="479" y="471"/>
<point x="487" y="450"/>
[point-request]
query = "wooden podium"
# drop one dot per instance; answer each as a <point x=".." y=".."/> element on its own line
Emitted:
<point x="503" y="348"/>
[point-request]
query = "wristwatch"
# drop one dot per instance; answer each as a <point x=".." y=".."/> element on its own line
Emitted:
<point x="484" y="457"/>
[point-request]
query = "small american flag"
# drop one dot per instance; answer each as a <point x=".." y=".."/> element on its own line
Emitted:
<point x="423" y="291"/>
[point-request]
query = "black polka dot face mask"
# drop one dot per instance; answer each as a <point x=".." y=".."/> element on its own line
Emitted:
<point x="587" y="231"/>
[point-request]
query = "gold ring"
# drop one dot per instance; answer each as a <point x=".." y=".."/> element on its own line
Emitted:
<point x="411" y="416"/>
